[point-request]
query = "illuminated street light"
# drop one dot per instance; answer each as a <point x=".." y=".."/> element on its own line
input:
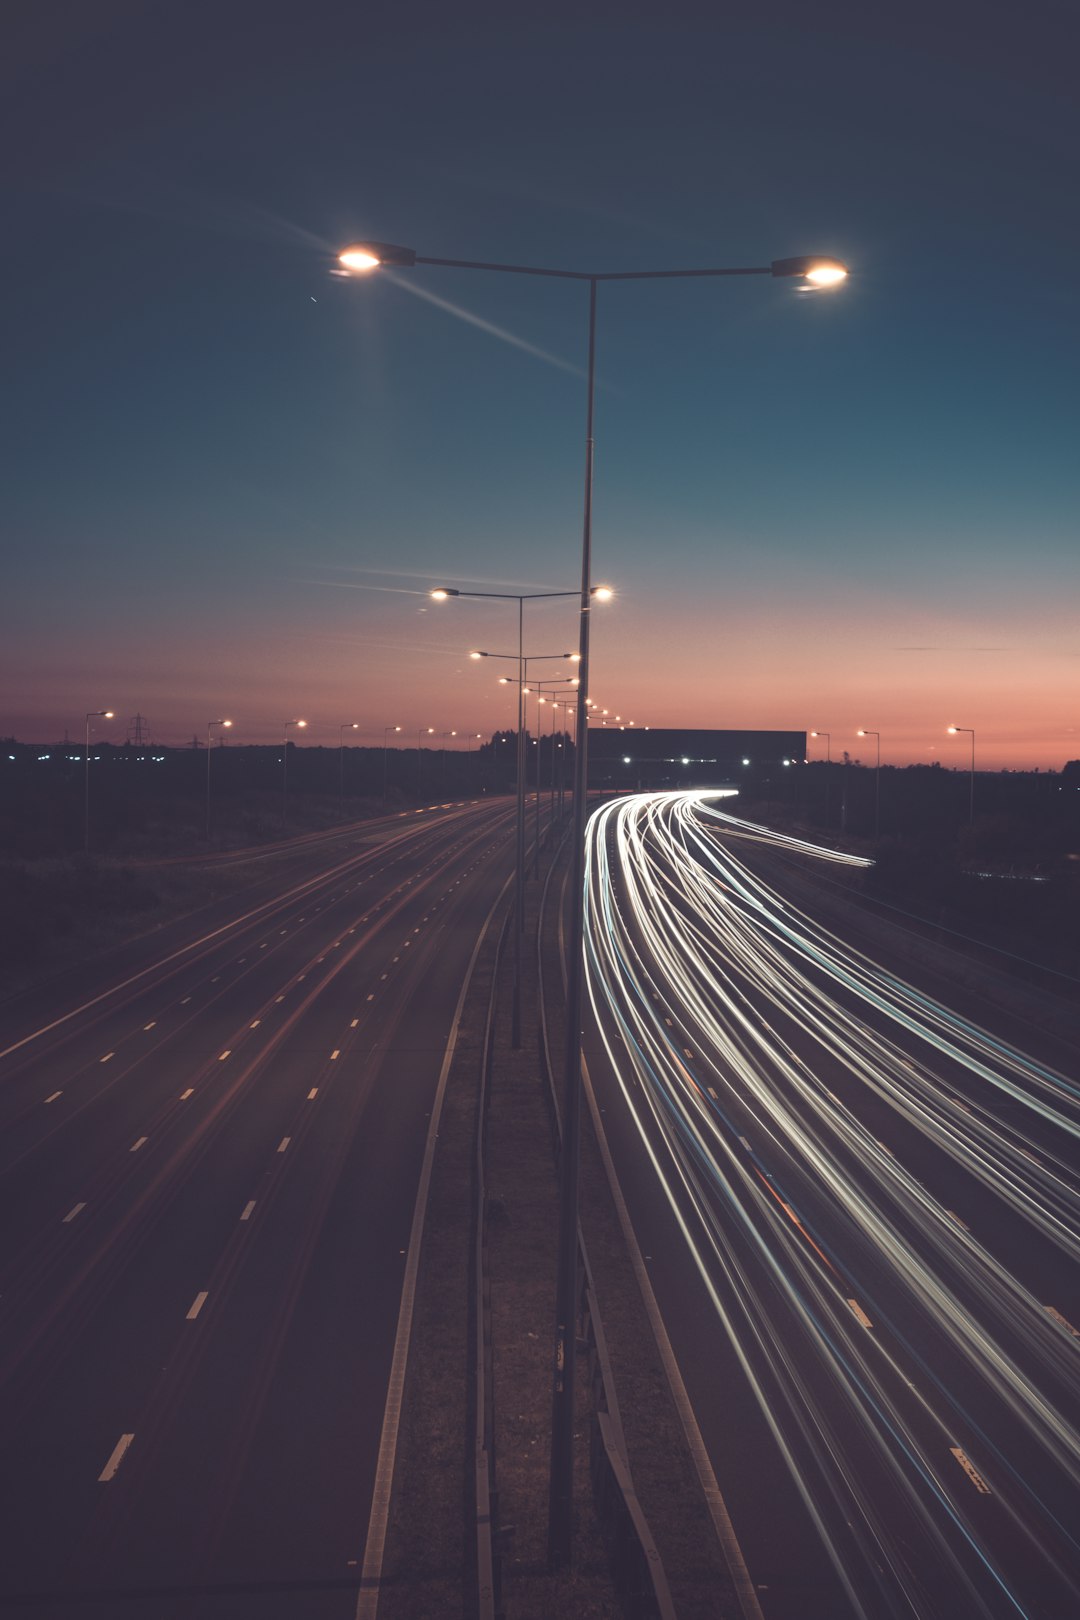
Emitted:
<point x="92" y="714"/>
<point x="815" y="272"/>
<point x="828" y="763"/>
<point x="877" y="783"/>
<point x="285" y="764"/>
<point x="387" y="730"/>
<point x="423" y="731"/>
<point x="953" y="732"/>
<point x="347" y="725"/>
<point x="210" y="724"/>
<point x="442" y="593"/>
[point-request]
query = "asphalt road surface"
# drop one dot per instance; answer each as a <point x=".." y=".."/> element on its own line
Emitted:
<point x="860" y="1213"/>
<point x="209" y="1162"/>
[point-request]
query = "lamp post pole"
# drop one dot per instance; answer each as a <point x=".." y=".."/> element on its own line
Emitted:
<point x="954" y="731"/>
<point x="347" y="725"/>
<point x="877" y="783"/>
<point x="819" y="272"/>
<point x="423" y="731"/>
<point x="385" y="754"/>
<point x="828" y="762"/>
<point x="210" y="724"/>
<point x="285" y="765"/>
<point x="93" y="714"/>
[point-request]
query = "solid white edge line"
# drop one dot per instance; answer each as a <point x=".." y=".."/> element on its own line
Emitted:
<point x="745" y="1592"/>
<point x="367" y="1601"/>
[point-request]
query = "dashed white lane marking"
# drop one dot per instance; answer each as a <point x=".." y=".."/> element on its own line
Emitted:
<point x="248" y="1207"/>
<point x="746" y="1144"/>
<point x="313" y="1093"/>
<point x="860" y="1313"/>
<point x="283" y="1144"/>
<point x="106" y="1058"/>
<point x="301" y="976"/>
<point x="184" y="1095"/>
<point x="135" y="1146"/>
<point x="382" y="975"/>
<point x="224" y="1054"/>
<point x="372" y="995"/>
<point x="262" y="947"/>
<point x="215" y="979"/>
<point x="185" y="1001"/>
<point x="336" y="1053"/>
<point x="150" y="1025"/>
<point x="971" y="1471"/>
<point x="54" y="1096"/>
<point x="256" y="1024"/>
<point x="354" y="1023"/>
<point x="71" y="1214"/>
<point x="116" y="1459"/>
<point x="196" y="1306"/>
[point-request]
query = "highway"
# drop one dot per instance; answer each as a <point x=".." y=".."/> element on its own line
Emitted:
<point x="860" y="1213"/>
<point x="209" y="1167"/>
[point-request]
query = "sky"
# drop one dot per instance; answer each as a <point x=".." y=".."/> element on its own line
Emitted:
<point x="232" y="477"/>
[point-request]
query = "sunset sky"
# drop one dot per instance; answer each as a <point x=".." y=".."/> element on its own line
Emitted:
<point x="232" y="477"/>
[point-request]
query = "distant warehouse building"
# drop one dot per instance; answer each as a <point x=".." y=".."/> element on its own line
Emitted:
<point x="636" y="760"/>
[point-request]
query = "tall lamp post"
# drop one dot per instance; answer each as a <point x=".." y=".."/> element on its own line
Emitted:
<point x="285" y="764"/>
<point x="828" y="762"/>
<point x="877" y="783"/>
<point x="953" y="732"/>
<point x="422" y="731"/>
<point x="817" y="272"/>
<point x="519" y="857"/>
<point x="93" y="714"/>
<point x="387" y="730"/>
<point x="210" y="724"/>
<point x="347" y="725"/>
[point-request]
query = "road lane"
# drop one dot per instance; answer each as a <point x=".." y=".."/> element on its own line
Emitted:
<point x="814" y="1127"/>
<point x="227" y="1295"/>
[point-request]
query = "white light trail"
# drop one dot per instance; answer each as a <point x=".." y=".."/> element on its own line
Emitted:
<point x="886" y="1299"/>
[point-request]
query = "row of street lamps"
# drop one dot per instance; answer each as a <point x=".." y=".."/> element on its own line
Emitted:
<point x="952" y="730"/>
<point x="816" y="273"/>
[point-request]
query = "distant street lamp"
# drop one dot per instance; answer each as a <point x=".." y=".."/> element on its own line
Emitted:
<point x="441" y="593"/>
<point x="877" y="783"/>
<point x="828" y="762"/>
<point x="210" y="724"/>
<point x="387" y="730"/>
<point x="817" y="273"/>
<point x="347" y="725"/>
<point x="954" y="731"/>
<point x="285" y="764"/>
<point x="422" y="731"/>
<point x="93" y="714"/>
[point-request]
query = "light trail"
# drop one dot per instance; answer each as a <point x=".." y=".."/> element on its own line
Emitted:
<point x="887" y="1301"/>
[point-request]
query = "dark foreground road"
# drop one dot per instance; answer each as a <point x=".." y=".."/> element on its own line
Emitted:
<point x="208" y="1176"/>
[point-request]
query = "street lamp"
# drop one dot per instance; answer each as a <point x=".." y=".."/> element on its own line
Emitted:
<point x="385" y="747"/>
<point x="210" y="724"/>
<point x="954" y="731"/>
<point x="519" y="861"/>
<point x="817" y="272"/>
<point x="877" y="783"/>
<point x="285" y="764"/>
<point x="346" y="725"/>
<point x="441" y="593"/>
<point x="422" y="731"/>
<point x="828" y="762"/>
<point x="92" y="714"/>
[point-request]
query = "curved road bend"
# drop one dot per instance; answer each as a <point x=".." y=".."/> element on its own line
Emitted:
<point x="861" y="1215"/>
<point x="207" y="1184"/>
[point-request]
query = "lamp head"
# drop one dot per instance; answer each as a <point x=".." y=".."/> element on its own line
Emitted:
<point x="441" y="592"/>
<point x="363" y="256"/>
<point x="602" y="593"/>
<point x="817" y="271"/>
